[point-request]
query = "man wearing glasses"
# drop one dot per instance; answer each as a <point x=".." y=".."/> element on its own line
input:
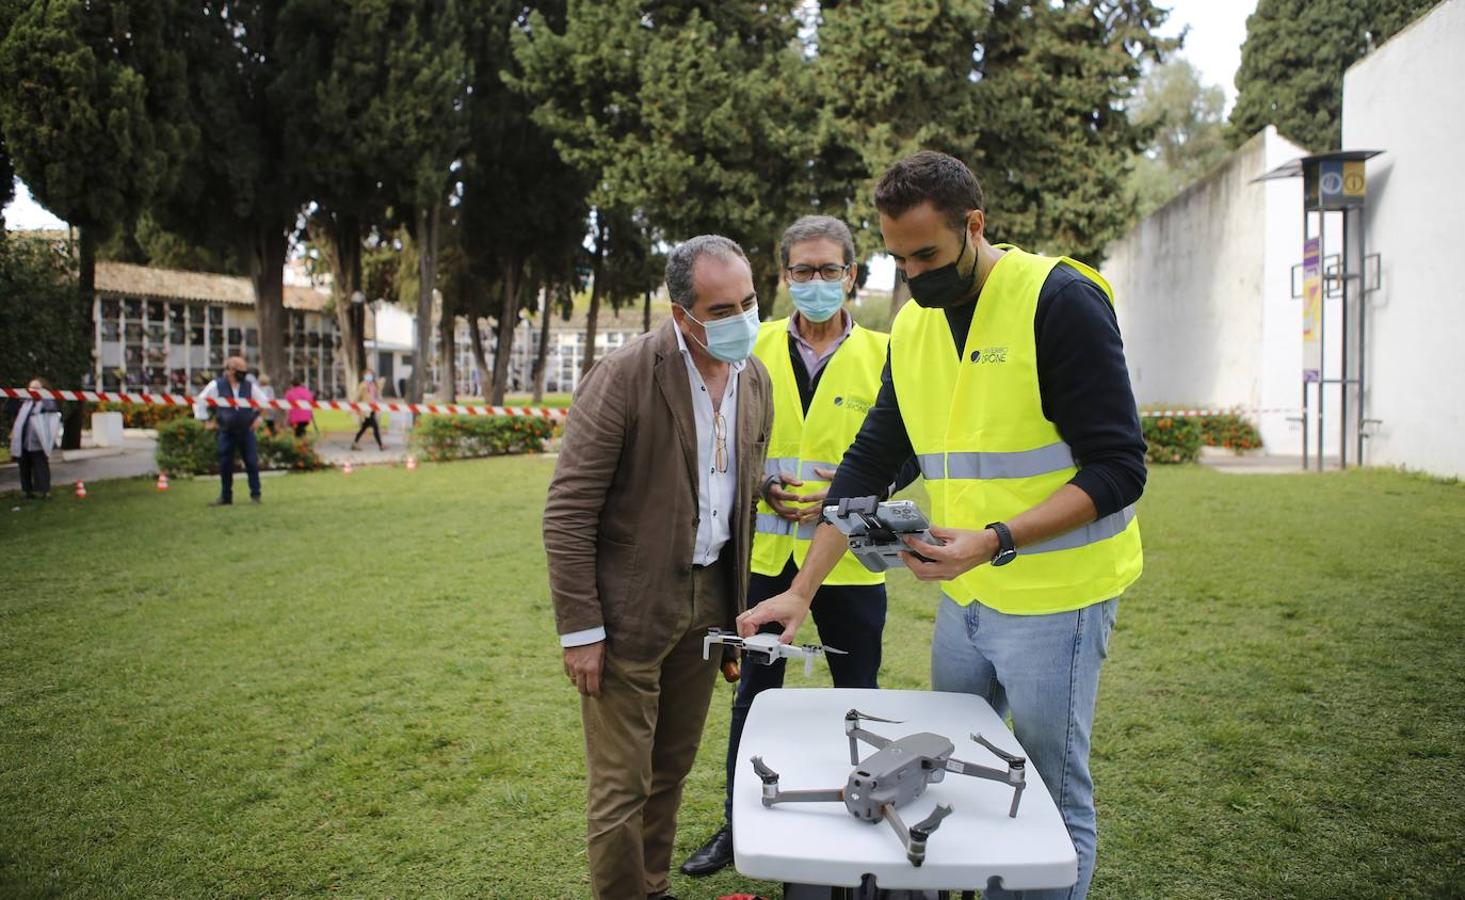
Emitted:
<point x="236" y="427"/>
<point x="1007" y="379"/>
<point x="825" y="371"/>
<point x="648" y="532"/>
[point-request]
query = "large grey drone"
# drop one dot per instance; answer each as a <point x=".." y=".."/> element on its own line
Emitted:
<point x="765" y="648"/>
<point x="896" y="773"/>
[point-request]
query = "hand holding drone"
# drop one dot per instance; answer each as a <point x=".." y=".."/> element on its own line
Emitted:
<point x="896" y="773"/>
<point x="877" y="530"/>
<point x="765" y="649"/>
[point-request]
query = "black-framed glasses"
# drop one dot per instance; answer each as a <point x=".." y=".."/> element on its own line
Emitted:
<point x="719" y="434"/>
<point x="804" y="274"/>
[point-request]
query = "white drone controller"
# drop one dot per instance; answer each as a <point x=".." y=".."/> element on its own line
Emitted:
<point x="765" y="648"/>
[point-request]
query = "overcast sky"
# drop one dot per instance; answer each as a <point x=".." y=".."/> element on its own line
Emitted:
<point x="1213" y="45"/>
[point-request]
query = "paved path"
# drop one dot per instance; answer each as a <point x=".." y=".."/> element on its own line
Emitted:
<point x="133" y="458"/>
<point x="1223" y="460"/>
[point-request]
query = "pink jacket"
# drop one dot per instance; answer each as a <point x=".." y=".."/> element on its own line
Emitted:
<point x="299" y="416"/>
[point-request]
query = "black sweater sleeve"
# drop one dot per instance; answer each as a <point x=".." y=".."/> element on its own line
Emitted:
<point x="1085" y="387"/>
<point x="1086" y="394"/>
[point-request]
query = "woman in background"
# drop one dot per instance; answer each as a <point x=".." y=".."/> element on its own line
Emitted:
<point x="367" y="391"/>
<point x="299" y="418"/>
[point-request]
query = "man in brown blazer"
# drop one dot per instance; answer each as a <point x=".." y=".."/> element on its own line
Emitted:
<point x="648" y="531"/>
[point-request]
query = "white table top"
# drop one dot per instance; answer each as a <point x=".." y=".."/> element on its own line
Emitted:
<point x="800" y="735"/>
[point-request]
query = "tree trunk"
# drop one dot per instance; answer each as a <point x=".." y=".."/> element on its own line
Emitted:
<point x="597" y="270"/>
<point x="900" y="292"/>
<point x="646" y="312"/>
<point x="508" y="318"/>
<point x="86" y="250"/>
<point x="480" y="359"/>
<point x="344" y="235"/>
<point x="541" y="355"/>
<point x="427" y="227"/>
<point x="448" y="391"/>
<point x="267" y="273"/>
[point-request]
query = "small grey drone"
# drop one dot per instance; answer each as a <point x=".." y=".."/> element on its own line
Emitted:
<point x="765" y="648"/>
<point x="896" y="773"/>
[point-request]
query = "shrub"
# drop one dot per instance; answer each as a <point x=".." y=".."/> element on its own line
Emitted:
<point x="1178" y="439"/>
<point x="141" y="415"/>
<point x="186" y="447"/>
<point x="462" y="437"/>
<point x="1231" y="431"/>
<point x="1171" y="439"/>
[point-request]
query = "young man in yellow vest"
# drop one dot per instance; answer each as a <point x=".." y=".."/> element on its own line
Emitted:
<point x="825" y="373"/>
<point x="1006" y="378"/>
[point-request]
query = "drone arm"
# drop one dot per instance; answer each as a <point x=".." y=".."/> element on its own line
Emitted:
<point x="772" y="795"/>
<point x="832" y="795"/>
<point x="1015" y="775"/>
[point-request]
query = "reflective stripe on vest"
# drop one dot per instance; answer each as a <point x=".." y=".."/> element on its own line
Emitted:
<point x="975" y="421"/>
<point x="769" y="523"/>
<point x="801" y="444"/>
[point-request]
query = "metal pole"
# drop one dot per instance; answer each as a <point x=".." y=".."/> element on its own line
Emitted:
<point x="1362" y="319"/>
<point x="1322" y="329"/>
<point x="1343" y="360"/>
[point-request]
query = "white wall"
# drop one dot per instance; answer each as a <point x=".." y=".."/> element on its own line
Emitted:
<point x="1203" y="292"/>
<point x="1408" y="99"/>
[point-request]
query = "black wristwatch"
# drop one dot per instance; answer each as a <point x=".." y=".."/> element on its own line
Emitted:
<point x="1006" y="549"/>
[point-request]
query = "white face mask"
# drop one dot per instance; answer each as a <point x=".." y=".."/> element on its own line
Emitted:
<point x="731" y="340"/>
<point x="368" y="377"/>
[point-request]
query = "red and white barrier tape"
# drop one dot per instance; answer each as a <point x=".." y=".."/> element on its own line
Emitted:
<point x="1233" y="411"/>
<point x="151" y="399"/>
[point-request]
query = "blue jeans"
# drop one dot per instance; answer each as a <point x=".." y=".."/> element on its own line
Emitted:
<point x="849" y="617"/>
<point x="1045" y="671"/>
<point x="229" y="442"/>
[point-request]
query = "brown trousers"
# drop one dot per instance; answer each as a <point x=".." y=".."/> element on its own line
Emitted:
<point x="641" y="737"/>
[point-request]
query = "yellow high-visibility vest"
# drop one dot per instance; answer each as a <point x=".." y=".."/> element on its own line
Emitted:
<point x="977" y="427"/>
<point x="800" y="444"/>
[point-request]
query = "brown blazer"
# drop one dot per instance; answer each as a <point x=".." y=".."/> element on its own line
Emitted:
<point x="621" y="518"/>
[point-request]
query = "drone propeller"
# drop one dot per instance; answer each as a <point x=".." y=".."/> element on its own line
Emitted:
<point x="1016" y="762"/>
<point x="927" y="825"/>
<point x="765" y="774"/>
<point x="855" y="715"/>
<point x="821" y="648"/>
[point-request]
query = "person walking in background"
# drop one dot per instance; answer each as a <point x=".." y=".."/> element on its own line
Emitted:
<point x="34" y="432"/>
<point x="299" y="419"/>
<point x="367" y="391"/>
<point x="235" y="425"/>
<point x="265" y="392"/>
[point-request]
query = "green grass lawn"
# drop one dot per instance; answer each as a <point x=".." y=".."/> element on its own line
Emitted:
<point x="355" y="689"/>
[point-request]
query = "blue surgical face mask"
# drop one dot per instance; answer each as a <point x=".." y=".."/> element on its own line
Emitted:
<point x="368" y="377"/>
<point x="731" y="340"/>
<point x="817" y="300"/>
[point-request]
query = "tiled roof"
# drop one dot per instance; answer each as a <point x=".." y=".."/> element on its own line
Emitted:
<point x="174" y="284"/>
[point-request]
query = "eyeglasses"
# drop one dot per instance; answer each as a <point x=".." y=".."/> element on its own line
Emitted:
<point x="719" y="435"/>
<point x="804" y="274"/>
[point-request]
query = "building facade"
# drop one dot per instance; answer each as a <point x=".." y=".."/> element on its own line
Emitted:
<point x="169" y="330"/>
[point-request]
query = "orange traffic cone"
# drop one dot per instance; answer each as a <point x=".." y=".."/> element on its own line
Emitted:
<point x="81" y="490"/>
<point x="346" y="469"/>
<point x="162" y="481"/>
<point x="411" y="463"/>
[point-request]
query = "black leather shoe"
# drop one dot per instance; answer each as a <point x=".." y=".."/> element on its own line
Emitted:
<point x="712" y="856"/>
<point x="221" y="502"/>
